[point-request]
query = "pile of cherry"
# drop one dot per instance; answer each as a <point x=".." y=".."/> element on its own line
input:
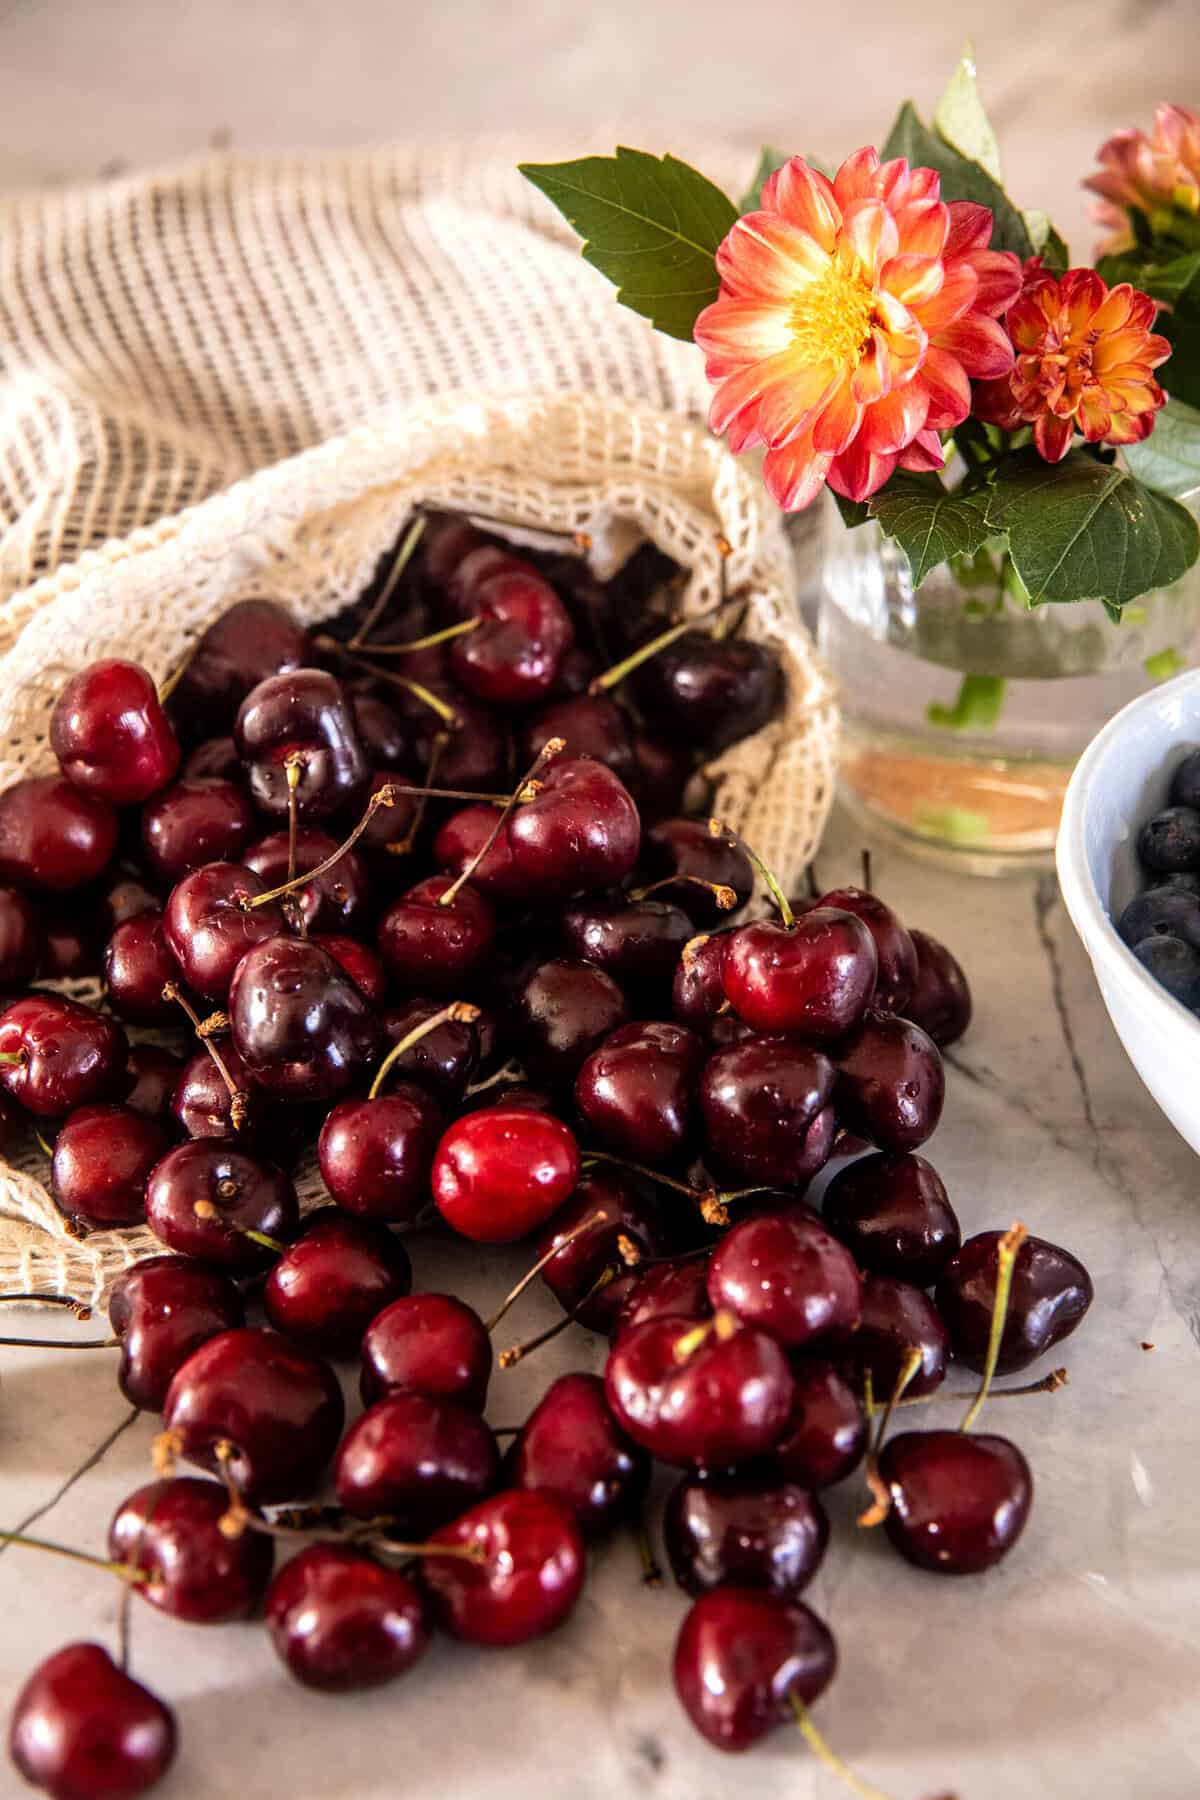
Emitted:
<point x="423" y="891"/>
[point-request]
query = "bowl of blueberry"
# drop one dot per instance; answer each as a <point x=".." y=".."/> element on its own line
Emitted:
<point x="1129" y="867"/>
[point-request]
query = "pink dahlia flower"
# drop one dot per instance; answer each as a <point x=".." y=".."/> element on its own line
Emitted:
<point x="1157" y="175"/>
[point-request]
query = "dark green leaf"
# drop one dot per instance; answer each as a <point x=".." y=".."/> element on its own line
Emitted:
<point x="977" y="705"/>
<point x="960" y="118"/>
<point x="1169" y="459"/>
<point x="652" y="225"/>
<point x="768" y="161"/>
<point x="1180" y="374"/>
<point x="1167" y="281"/>
<point x="962" y="179"/>
<point x="1046" y="242"/>
<point x="854" y="512"/>
<point x="929" y="523"/>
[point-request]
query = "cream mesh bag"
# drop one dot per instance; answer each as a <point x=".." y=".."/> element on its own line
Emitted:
<point x="238" y="379"/>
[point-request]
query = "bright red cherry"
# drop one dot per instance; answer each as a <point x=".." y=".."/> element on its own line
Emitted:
<point x="893" y="1212"/>
<point x="54" y="836"/>
<point x="162" y="1309"/>
<point x="431" y="948"/>
<point x="416" y="1462"/>
<point x="1051" y="1291"/>
<point x="500" y="1173"/>
<point x="342" y="1622"/>
<point x="750" y="1529"/>
<point x="305" y="714"/>
<point x="103" y="1156"/>
<point x="638" y="1090"/>
<point x="530" y="1574"/>
<point x="960" y="1499"/>
<point x="742" y="1656"/>
<point x="715" y="1393"/>
<point x="248" y="642"/>
<point x="571" y="1448"/>
<point x="893" y="944"/>
<point x="940" y="1002"/>
<point x="891" y="1083"/>
<point x="138" y="964"/>
<point x="83" y="1729"/>
<point x="171" y="1531"/>
<point x="328" y="1286"/>
<point x="22" y="942"/>
<point x="813" y="978"/>
<point x="235" y="1193"/>
<point x="300" y="1025"/>
<point x="65" y="1055"/>
<point x="578" y="835"/>
<point x="766" y="1112"/>
<point x="360" y="964"/>
<point x="826" y="1436"/>
<point x="110" y="734"/>
<point x="789" y="1276"/>
<point x="512" y="656"/>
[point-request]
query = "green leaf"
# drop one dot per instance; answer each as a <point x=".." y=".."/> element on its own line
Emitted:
<point x="962" y="179"/>
<point x="1168" y="281"/>
<point x="977" y="705"/>
<point x="928" y="523"/>
<point x="652" y="225"/>
<point x="1164" y="663"/>
<point x="854" y="512"/>
<point x="1085" y="530"/>
<point x="768" y="162"/>
<point x="1169" y="459"/>
<point x="961" y="120"/>
<point x="1046" y="242"/>
<point x="1180" y="374"/>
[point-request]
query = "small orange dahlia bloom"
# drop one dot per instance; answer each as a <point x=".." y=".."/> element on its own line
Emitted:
<point x="1157" y="175"/>
<point x="851" y="314"/>
<point x="1085" y="361"/>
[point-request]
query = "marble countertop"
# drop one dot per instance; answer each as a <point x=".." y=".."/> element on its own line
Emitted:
<point x="1067" y="1674"/>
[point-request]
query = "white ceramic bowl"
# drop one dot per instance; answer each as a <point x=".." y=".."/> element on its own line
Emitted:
<point x="1121" y="778"/>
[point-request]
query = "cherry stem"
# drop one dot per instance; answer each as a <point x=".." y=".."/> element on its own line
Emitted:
<point x="825" y="1753"/>
<point x="167" y="686"/>
<point x="881" y="1503"/>
<point x="717" y="830"/>
<point x="1049" y="1384"/>
<point x="80" y="1308"/>
<point x="426" y="696"/>
<point x="524" y="790"/>
<point x="1006" y="1256"/>
<point x="239" y="1104"/>
<point x="293" y="768"/>
<point x="710" y="1201"/>
<point x="511" y="1071"/>
<point x="507" y="1358"/>
<point x="725" y="897"/>
<point x="402" y="846"/>
<point x="514" y="1294"/>
<point x="723" y="1325"/>
<point x="15" y="1343"/>
<point x="124" y="1570"/>
<point x="652" y="1575"/>
<point x="14" y="1056"/>
<point x="412" y="538"/>
<point x="204" y="1209"/>
<point x="46" y="1148"/>
<point x="429" y="641"/>
<point x="612" y="678"/>
<point x="459" y="1012"/>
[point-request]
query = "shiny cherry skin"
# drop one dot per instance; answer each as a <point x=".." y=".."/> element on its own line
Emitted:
<point x="959" y="1499"/>
<point x="893" y="1212"/>
<point x="748" y="1529"/>
<point x="687" y="847"/>
<point x="278" y="1407"/>
<point x="760" y="1102"/>
<point x="894" y="948"/>
<point x="826" y="1436"/>
<point x="480" y="565"/>
<point x="940" y="1002"/>
<point x="786" y="1274"/>
<point x="376" y="1155"/>
<point x="1051" y="1291"/>
<point x="248" y="643"/>
<point x="308" y="713"/>
<point x="512" y="657"/>
<point x="709" y="692"/>
<point x="339" y="900"/>
<point x="446" y="1059"/>
<point x="571" y="1448"/>
<point x="637" y="942"/>
<point x="381" y="731"/>
<point x="579" y="835"/>
<point x="328" y="1286"/>
<point x="137" y="966"/>
<point x="171" y="1531"/>
<point x="215" y="757"/>
<point x="360" y="964"/>
<point x="245" y="1191"/>
<point x="209" y="928"/>
<point x="617" y="1207"/>
<point x="162" y="1309"/>
<point x="103" y="1156"/>
<point x="500" y="1173"/>
<point x="70" y="1055"/>
<point x="663" y="1291"/>
<point x="898" y="1318"/>
<point x="153" y="1073"/>
<point x="81" y="1727"/>
<point x="54" y="836"/>
<point x="814" y="979"/>
<point x="22" y="941"/>
<point x="561" y="1012"/>
<point x="460" y="840"/>
<point x="661" y="774"/>
<point x="715" y="1393"/>
<point x="476" y="757"/>
<point x="342" y="1622"/>
<point x="430" y="1344"/>
<point x="110" y="734"/>
<point x="530" y="1576"/>
<point x="431" y="948"/>
<point x="195" y="822"/>
<point x="697" y="985"/>
<point x="590" y="725"/>
<point x="300" y="1025"/>
<point x="201" y="1107"/>
<point x="891" y="1083"/>
<point x="389" y="830"/>
<point x="638" y="1091"/>
<point x="741" y="1656"/>
<point x="416" y="1462"/>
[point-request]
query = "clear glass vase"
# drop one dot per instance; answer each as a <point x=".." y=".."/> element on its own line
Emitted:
<point x="963" y="709"/>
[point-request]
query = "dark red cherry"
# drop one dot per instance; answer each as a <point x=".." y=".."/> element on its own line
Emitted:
<point x="171" y="1531"/>
<point x="571" y="1448"/>
<point x="336" y="901"/>
<point x="590" y="725"/>
<point x="446" y="1058"/>
<point x="389" y="831"/>
<point x="22" y="940"/>
<point x="529" y="1577"/>
<point x="637" y="942"/>
<point x="814" y="979"/>
<point x="890" y="1083"/>
<point x="762" y="1104"/>
<point x="660" y="777"/>
<point x="300" y="1025"/>
<point x="73" y="946"/>
<point x="83" y="1729"/>
<point x="698" y="986"/>
<point x="153" y="1073"/>
<point x="68" y="1055"/>
<point x="476" y="754"/>
<point x="562" y="1011"/>
<point x="138" y="964"/>
<point x="328" y="1286"/>
<point x="209" y="928"/>
<point x="460" y="840"/>
<point x="940" y="1002"/>
<point x="894" y="947"/>
<point x="665" y="1290"/>
<point x="742" y="1656"/>
<point x="102" y="1157"/>
<point x="500" y="1173"/>
<point x="750" y="1529"/>
<point x="277" y="1407"/>
<point x="245" y="1194"/>
<point x="360" y="964"/>
<point x="376" y="1155"/>
<point x="687" y="847"/>
<point x="512" y="657"/>
<point x="216" y="758"/>
<point x="1051" y="1291"/>
<point x="431" y="948"/>
<point x="162" y="1309"/>
<point x="579" y="835"/>
<point x="959" y="1499"/>
<point x="54" y="836"/>
<point x="429" y="1344"/>
<point x="786" y="1274"/>
<point x="254" y="639"/>
<point x="307" y="714"/>
<point x="380" y="730"/>
<point x="893" y="1212"/>
<point x="628" y="1212"/>
<point x="340" y="1621"/>
<point x="716" y="1393"/>
<point x="897" y="1319"/>
<point x="201" y="1107"/>
<point x="110" y="734"/>
<point x="709" y="692"/>
<point x="447" y="543"/>
<point x="638" y="1090"/>
<point x="196" y="822"/>
<point x="826" y="1436"/>
<point x="475" y="569"/>
<point x="416" y="1462"/>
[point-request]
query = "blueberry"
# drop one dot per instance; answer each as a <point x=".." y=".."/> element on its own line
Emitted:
<point x="1171" y="840"/>
<point x="1166" y="910"/>
<point x="1174" y="964"/>
<point x="1185" y="784"/>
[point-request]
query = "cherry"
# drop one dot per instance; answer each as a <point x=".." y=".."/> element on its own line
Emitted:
<point x="714" y="1393"/>
<point x="380" y="731"/>
<point x="416" y="1462"/>
<point x="267" y="1412"/>
<point x="203" y="1107"/>
<point x="59" y="1055"/>
<point x="154" y="1073"/>
<point x="813" y="976"/>
<point x="743" y="1528"/>
<point x="444" y="1060"/>
<point x="529" y="1576"/>
<point x="431" y="1344"/>
<point x="198" y="821"/>
<point x="826" y="1436"/>
<point x="248" y="643"/>
<point x="83" y="1729"/>
<point x="764" y="1106"/>
<point x="898" y="1319"/>
<point x="376" y="1154"/>
<point x="341" y="1622"/>
<point x="562" y="1011"/>
<point x="138" y="964"/>
<point x="940" y="1002"/>
<point x="338" y="899"/>
<point x="459" y="842"/>
<point x="124" y="896"/>
<point x="448" y="543"/>
<point x="744" y="1659"/>
<point x="475" y="569"/>
<point x="360" y="964"/>
<point x="512" y="656"/>
<point x="235" y="1193"/>
<point x="893" y="1212"/>
<point x="475" y="754"/>
<point x="661" y="774"/>
<point x="698" y="985"/>
<point x="637" y="942"/>
<point x="890" y="1084"/>
<point x="1051" y="1292"/>
<point x="300" y="1025"/>
<point x="593" y="726"/>
<point x="894" y="947"/>
<point x="435" y="937"/>
<point x="22" y="943"/>
<point x="110" y="734"/>
<point x="73" y="947"/>
<point x="303" y="714"/>
<point x="585" y="1236"/>
<point x="500" y="1173"/>
<point x="686" y="847"/>
<point x="217" y="758"/>
<point x="579" y="835"/>
<point x="171" y="1531"/>
<point x="209" y="927"/>
<point x="102" y="1157"/>
<point x="709" y="692"/>
<point x="665" y="1290"/>
<point x="786" y="1274"/>
<point x="958" y="1502"/>
<point x="328" y="1286"/>
<point x="571" y="1448"/>
<point x="162" y="1309"/>
<point x="54" y="836"/>
<point x="638" y="1090"/>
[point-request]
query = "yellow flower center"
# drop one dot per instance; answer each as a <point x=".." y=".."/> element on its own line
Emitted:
<point x="831" y="318"/>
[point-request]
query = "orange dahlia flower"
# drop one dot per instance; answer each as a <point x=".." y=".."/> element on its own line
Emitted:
<point x="850" y="316"/>
<point x="1157" y="175"/>
<point x="1085" y="362"/>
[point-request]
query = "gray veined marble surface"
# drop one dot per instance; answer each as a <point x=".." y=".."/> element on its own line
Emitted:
<point x="1070" y="1673"/>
